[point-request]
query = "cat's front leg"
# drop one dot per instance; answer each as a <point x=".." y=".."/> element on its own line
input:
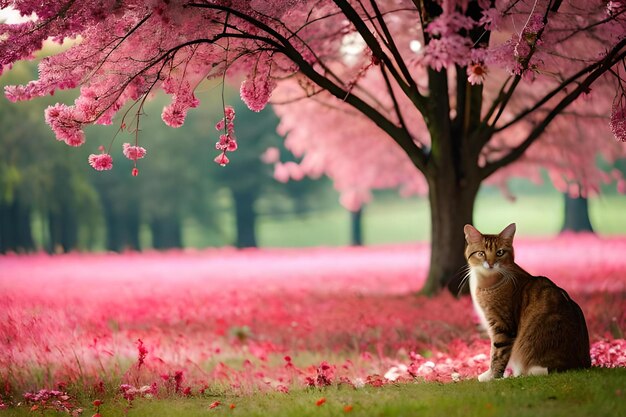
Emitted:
<point x="486" y="376"/>
<point x="501" y="347"/>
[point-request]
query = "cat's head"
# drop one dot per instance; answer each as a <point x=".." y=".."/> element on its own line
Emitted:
<point x="489" y="253"/>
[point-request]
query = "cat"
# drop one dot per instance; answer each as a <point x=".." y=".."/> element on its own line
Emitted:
<point x="534" y="326"/>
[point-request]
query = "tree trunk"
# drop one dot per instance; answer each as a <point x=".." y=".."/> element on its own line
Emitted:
<point x="15" y="228"/>
<point x="356" y="227"/>
<point x="245" y="218"/>
<point x="122" y="227"/>
<point x="167" y="233"/>
<point x="63" y="228"/>
<point x="576" y="215"/>
<point x="451" y="208"/>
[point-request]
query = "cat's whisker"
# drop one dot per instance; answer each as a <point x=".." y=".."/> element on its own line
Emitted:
<point x="464" y="280"/>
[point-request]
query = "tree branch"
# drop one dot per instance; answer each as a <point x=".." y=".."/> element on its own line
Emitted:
<point x="563" y="85"/>
<point x="400" y="136"/>
<point x="600" y="68"/>
<point x="377" y="51"/>
<point x="393" y="47"/>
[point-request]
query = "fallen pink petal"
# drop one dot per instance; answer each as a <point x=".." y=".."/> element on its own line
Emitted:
<point x="78" y="296"/>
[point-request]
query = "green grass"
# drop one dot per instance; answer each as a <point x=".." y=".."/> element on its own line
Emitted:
<point x="408" y="220"/>
<point x="596" y="392"/>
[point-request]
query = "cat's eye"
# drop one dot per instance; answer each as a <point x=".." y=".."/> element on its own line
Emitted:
<point x="500" y="252"/>
<point x="480" y="254"/>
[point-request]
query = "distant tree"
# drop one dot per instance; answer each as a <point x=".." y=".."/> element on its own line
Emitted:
<point x="576" y="217"/>
<point x="249" y="177"/>
<point x="38" y="178"/>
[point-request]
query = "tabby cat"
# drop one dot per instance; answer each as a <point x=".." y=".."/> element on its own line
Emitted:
<point x="534" y="326"/>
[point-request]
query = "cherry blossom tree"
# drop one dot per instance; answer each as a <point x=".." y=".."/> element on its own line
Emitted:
<point x="429" y="96"/>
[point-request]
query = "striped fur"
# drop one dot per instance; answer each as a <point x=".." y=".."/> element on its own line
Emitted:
<point x="534" y="326"/>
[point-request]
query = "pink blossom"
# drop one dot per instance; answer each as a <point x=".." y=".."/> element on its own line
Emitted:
<point x="142" y="353"/>
<point x="450" y="23"/>
<point x="229" y="113"/>
<point x="66" y="124"/>
<point x="609" y="353"/>
<point x="173" y="116"/>
<point x="615" y="7"/>
<point x="271" y="155"/>
<point x="133" y="152"/>
<point x="476" y="73"/>
<point x="222" y="159"/>
<point x="183" y="99"/>
<point x="618" y="121"/>
<point x="449" y="50"/>
<point x="101" y="162"/>
<point x="491" y="19"/>
<point x="256" y="92"/>
<point x="535" y="24"/>
<point x="281" y="172"/>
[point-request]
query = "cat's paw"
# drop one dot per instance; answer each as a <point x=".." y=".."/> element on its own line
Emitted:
<point x="486" y="376"/>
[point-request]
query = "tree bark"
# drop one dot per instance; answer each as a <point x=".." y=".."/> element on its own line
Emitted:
<point x="167" y="233"/>
<point x="576" y="215"/>
<point x="15" y="228"/>
<point x="451" y="208"/>
<point x="63" y="228"/>
<point x="245" y="218"/>
<point x="356" y="227"/>
<point x="122" y="226"/>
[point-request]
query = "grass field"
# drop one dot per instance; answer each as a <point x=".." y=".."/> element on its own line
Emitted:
<point x="593" y="393"/>
<point x="282" y="329"/>
<point x="408" y="220"/>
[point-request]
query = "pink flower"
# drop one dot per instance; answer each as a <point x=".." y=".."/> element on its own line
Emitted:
<point x="615" y="7"/>
<point x="491" y="19"/>
<point x="535" y="24"/>
<point x="271" y="155"/>
<point x="618" y="122"/>
<point x="449" y="50"/>
<point x="222" y="159"/>
<point x="229" y="113"/>
<point x="256" y="92"/>
<point x="65" y="123"/>
<point x="173" y="116"/>
<point x="142" y="353"/>
<point x="281" y="172"/>
<point x="133" y="152"/>
<point x="476" y="73"/>
<point x="101" y="162"/>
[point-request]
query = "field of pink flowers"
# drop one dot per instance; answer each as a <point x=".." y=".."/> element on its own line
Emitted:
<point x="223" y="320"/>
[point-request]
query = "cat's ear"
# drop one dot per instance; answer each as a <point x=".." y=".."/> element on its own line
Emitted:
<point x="472" y="235"/>
<point x="508" y="232"/>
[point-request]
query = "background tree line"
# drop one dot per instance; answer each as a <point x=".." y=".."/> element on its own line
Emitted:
<point x="51" y="199"/>
<point x="49" y="191"/>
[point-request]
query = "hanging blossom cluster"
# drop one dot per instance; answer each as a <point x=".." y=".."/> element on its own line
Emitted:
<point x="183" y="99"/>
<point x="104" y="162"/>
<point x="66" y="123"/>
<point x="451" y="46"/>
<point x="227" y="142"/>
<point x="448" y="46"/>
<point x="256" y="90"/>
